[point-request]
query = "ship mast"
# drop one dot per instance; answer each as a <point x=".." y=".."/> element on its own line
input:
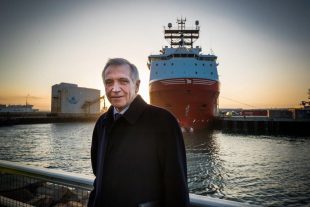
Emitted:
<point x="181" y="36"/>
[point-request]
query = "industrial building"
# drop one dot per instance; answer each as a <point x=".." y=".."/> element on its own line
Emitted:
<point x="69" y="98"/>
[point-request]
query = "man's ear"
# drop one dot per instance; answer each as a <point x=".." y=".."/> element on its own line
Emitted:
<point x="137" y="86"/>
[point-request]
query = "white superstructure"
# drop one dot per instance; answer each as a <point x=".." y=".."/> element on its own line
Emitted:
<point x="182" y="63"/>
<point x="69" y="98"/>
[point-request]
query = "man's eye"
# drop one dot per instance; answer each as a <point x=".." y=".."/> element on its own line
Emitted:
<point x="108" y="82"/>
<point x="124" y="81"/>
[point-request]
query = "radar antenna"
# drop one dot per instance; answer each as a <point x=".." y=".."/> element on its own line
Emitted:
<point x="181" y="36"/>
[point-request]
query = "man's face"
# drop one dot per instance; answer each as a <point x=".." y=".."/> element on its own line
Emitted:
<point x="119" y="87"/>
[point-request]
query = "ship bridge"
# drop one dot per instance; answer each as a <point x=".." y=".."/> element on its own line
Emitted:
<point x="181" y="41"/>
<point x="171" y="53"/>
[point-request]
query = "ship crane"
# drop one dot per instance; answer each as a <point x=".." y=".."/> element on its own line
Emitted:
<point x="87" y="104"/>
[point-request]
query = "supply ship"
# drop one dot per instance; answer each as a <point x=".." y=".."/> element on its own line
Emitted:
<point x="183" y="80"/>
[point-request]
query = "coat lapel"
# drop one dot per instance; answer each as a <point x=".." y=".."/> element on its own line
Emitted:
<point x="135" y="110"/>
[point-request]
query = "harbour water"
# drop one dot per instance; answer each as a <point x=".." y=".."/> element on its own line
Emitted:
<point x="262" y="170"/>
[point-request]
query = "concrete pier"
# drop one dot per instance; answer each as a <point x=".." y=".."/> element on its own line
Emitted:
<point x="235" y="124"/>
<point x="7" y="119"/>
<point x="263" y="125"/>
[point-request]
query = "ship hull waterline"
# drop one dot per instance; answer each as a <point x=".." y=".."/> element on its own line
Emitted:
<point x="192" y="101"/>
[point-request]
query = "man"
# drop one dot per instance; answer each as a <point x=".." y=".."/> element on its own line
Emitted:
<point x="137" y="152"/>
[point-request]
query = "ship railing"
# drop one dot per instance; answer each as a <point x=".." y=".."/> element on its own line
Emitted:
<point x="26" y="186"/>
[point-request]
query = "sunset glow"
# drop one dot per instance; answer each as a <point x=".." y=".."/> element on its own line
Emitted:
<point x="263" y="47"/>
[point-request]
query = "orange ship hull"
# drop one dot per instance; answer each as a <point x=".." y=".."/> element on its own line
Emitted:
<point x="192" y="101"/>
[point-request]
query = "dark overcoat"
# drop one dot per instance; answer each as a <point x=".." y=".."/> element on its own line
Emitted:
<point x="139" y="160"/>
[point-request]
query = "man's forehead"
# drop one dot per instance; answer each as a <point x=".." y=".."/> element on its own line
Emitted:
<point x="117" y="73"/>
<point x="118" y="68"/>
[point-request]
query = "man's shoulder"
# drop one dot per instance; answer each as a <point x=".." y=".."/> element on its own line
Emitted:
<point x="158" y="112"/>
<point x="156" y="109"/>
<point x="102" y="118"/>
<point x="160" y="119"/>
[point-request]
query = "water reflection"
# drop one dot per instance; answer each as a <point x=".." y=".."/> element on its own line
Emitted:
<point x="71" y="144"/>
<point x="27" y="146"/>
<point x="205" y="167"/>
<point x="261" y="170"/>
<point x="63" y="146"/>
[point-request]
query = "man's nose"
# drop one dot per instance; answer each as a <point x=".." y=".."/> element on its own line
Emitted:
<point x="116" y="87"/>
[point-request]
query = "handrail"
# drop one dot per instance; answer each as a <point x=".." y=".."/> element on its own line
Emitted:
<point x="50" y="175"/>
<point x="86" y="182"/>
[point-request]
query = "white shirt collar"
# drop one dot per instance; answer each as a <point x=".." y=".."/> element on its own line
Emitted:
<point x="115" y="111"/>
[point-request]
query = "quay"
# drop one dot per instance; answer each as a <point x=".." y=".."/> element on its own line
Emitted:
<point x="262" y="125"/>
<point x="233" y="124"/>
<point x="10" y="118"/>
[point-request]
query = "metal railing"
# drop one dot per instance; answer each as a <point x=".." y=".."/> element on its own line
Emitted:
<point x="22" y="185"/>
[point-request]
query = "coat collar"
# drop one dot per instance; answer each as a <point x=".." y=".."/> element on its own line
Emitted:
<point x="135" y="110"/>
<point x="133" y="113"/>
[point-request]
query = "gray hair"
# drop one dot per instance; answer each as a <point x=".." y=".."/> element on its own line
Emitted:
<point x="134" y="74"/>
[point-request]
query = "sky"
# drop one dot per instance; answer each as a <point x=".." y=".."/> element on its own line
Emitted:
<point x="263" y="46"/>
